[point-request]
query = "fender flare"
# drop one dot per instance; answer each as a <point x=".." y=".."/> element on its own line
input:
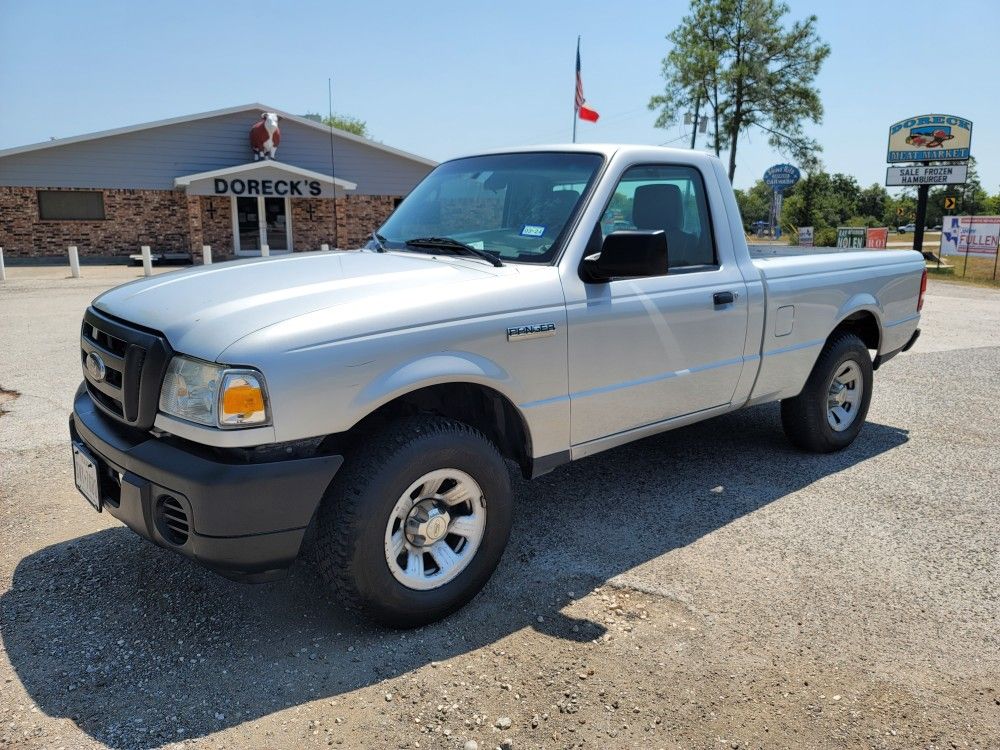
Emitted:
<point x="862" y="302"/>
<point x="440" y="368"/>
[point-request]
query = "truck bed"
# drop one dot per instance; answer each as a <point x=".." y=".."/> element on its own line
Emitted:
<point x="809" y="290"/>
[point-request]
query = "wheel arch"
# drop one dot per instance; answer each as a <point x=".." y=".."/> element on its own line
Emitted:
<point x="467" y="400"/>
<point x="864" y="321"/>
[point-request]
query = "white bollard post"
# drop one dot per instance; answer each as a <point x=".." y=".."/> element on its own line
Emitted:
<point x="3" y="271"/>
<point x="206" y="255"/>
<point x="265" y="251"/>
<point x="74" y="262"/>
<point x="324" y="247"/>
<point x="147" y="261"/>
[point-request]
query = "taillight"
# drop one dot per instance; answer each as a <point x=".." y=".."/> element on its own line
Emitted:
<point x="923" y="288"/>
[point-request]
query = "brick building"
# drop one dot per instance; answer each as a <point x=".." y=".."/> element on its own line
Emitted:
<point x="181" y="183"/>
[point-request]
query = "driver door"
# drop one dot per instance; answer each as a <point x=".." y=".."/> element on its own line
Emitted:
<point x="646" y="350"/>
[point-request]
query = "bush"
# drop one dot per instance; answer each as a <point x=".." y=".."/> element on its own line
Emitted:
<point x="863" y="221"/>
<point x="826" y="237"/>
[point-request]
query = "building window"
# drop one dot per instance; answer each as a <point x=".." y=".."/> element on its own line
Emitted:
<point x="70" y="205"/>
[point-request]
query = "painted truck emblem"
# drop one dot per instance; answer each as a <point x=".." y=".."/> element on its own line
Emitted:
<point x="95" y="366"/>
<point x="538" y="331"/>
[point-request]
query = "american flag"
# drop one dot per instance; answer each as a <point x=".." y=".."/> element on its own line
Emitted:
<point x="582" y="110"/>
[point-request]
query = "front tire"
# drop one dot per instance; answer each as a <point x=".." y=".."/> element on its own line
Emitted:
<point x="831" y="409"/>
<point x="416" y="523"/>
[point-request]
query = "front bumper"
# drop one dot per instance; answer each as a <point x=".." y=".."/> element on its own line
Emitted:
<point x="245" y="520"/>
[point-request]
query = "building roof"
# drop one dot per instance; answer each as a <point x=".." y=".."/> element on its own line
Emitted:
<point x="255" y="106"/>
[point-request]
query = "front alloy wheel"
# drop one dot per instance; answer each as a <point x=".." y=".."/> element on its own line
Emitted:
<point x="415" y="523"/>
<point x="435" y="529"/>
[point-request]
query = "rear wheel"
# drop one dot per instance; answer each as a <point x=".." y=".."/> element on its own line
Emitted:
<point x="416" y="523"/>
<point x="830" y="411"/>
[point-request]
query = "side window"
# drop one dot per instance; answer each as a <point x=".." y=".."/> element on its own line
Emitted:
<point x="671" y="198"/>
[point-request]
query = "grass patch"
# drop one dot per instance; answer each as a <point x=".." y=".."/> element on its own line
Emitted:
<point x="978" y="273"/>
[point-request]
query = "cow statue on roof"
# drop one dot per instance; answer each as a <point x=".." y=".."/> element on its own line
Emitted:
<point x="265" y="136"/>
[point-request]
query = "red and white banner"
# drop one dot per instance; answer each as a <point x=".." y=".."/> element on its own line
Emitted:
<point x="877" y="238"/>
<point x="977" y="235"/>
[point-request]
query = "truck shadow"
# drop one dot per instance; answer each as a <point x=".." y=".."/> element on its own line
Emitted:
<point x="139" y="646"/>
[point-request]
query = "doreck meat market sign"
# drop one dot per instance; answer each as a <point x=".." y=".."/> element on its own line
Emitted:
<point x="930" y="138"/>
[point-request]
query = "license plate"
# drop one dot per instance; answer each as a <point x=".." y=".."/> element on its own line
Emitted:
<point x="85" y="474"/>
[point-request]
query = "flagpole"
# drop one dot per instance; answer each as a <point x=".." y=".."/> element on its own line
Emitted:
<point x="576" y="74"/>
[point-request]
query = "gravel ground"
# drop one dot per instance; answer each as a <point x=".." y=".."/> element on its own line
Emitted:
<point x="707" y="588"/>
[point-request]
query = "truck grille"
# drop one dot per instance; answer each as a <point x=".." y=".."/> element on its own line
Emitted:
<point x="123" y="366"/>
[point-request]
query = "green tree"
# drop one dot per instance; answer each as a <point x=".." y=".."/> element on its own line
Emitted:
<point x="693" y="72"/>
<point x="347" y="123"/>
<point x="761" y="73"/>
<point x="754" y="203"/>
<point x="872" y="201"/>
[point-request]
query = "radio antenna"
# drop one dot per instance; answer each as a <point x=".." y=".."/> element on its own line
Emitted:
<point x="333" y="163"/>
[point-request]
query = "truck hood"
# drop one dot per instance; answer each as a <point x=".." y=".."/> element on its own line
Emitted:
<point x="202" y="311"/>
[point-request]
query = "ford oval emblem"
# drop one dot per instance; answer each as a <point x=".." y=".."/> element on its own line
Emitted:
<point x="95" y="366"/>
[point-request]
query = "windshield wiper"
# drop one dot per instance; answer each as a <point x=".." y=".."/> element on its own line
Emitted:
<point x="379" y="242"/>
<point x="447" y="243"/>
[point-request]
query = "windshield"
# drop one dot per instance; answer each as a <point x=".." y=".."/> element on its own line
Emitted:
<point x="514" y="206"/>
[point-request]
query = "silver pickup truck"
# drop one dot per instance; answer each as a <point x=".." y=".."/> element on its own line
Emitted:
<point x="530" y="306"/>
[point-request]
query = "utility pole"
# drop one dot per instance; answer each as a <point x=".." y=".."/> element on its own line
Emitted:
<point x="694" y="121"/>
<point x="918" y="229"/>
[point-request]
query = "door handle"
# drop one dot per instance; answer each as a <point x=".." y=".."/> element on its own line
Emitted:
<point x="723" y="298"/>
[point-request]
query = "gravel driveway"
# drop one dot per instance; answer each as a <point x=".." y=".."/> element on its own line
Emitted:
<point x="707" y="588"/>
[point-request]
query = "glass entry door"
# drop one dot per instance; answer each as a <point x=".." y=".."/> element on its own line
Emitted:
<point x="260" y="220"/>
<point x="276" y="223"/>
<point x="247" y="225"/>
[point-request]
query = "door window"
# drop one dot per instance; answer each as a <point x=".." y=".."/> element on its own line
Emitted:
<point x="247" y="223"/>
<point x="671" y="198"/>
<point x="259" y="220"/>
<point x="275" y="223"/>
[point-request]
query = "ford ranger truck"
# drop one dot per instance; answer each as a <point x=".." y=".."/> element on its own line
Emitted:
<point x="522" y="308"/>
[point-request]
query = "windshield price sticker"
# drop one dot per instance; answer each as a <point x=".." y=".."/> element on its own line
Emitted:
<point x="532" y="230"/>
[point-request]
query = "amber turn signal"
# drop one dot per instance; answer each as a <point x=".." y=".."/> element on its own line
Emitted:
<point x="242" y="399"/>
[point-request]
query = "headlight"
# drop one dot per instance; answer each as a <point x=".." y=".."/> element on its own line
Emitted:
<point x="213" y="395"/>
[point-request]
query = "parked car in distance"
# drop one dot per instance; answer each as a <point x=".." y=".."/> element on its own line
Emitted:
<point x="906" y="228"/>
<point x="369" y="403"/>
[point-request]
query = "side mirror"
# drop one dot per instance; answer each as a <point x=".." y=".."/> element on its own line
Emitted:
<point x="629" y="253"/>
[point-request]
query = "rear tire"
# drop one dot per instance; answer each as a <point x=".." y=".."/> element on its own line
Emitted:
<point x="831" y="409"/>
<point x="398" y="499"/>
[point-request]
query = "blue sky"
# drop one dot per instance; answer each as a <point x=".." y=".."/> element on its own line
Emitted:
<point x="445" y="78"/>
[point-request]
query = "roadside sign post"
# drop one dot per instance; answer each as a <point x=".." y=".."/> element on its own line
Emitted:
<point x="877" y="238"/>
<point x="972" y="237"/>
<point x="968" y="239"/>
<point x="939" y="174"/>
<point x="918" y="229"/>
<point x="851" y="237"/>
<point x="922" y="139"/>
<point x="779" y="178"/>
